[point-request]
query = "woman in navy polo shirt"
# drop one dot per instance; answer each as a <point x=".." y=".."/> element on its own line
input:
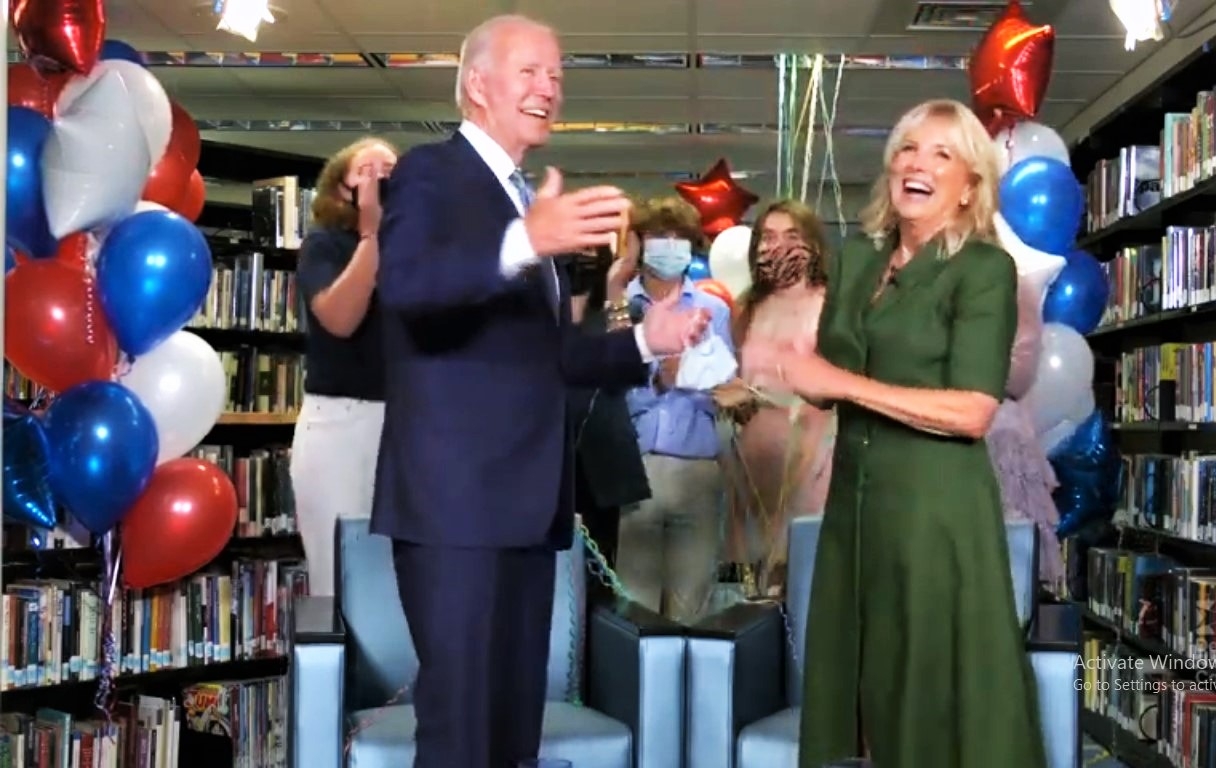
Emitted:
<point x="337" y="437"/>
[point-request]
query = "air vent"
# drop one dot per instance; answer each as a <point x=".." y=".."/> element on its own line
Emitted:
<point x="961" y="16"/>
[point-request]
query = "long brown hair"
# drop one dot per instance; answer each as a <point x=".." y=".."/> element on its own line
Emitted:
<point x="810" y="226"/>
<point x="329" y="207"/>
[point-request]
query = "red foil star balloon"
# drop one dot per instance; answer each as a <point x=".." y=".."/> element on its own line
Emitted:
<point x="1010" y="69"/>
<point x="60" y="35"/>
<point x="720" y="201"/>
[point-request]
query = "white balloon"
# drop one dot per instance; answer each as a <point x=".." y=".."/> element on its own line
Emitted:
<point x="1036" y="269"/>
<point x="151" y="103"/>
<point x="1054" y="437"/>
<point x="95" y="162"/>
<point x="182" y="383"/>
<point x="148" y="205"/>
<point x="728" y="259"/>
<point x="1063" y="384"/>
<point x="1029" y="139"/>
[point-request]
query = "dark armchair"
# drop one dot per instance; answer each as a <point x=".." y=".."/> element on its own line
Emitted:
<point x="351" y="656"/>
<point x="744" y="682"/>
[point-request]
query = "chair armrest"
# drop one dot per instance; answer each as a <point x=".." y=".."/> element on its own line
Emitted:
<point x="315" y="680"/>
<point x="635" y="674"/>
<point x="1056" y="627"/>
<point x="736" y="676"/>
<point x="1052" y="647"/>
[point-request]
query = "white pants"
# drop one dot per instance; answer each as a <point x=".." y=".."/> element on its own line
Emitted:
<point x="333" y="475"/>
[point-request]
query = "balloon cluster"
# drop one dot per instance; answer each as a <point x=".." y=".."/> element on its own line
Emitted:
<point x="104" y="267"/>
<point x="721" y="202"/>
<point x="1062" y="290"/>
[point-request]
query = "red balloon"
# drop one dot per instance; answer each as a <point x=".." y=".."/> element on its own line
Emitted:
<point x="27" y="88"/>
<point x="74" y="251"/>
<point x="720" y="201"/>
<point x="60" y="35"/>
<point x="184" y="136"/>
<point x="183" y="519"/>
<point x="55" y="331"/>
<point x="193" y="198"/>
<point x="167" y="182"/>
<point x="716" y="288"/>
<point x="1010" y="69"/>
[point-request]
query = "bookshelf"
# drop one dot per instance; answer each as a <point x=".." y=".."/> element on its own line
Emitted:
<point x="1147" y="584"/>
<point x="202" y="663"/>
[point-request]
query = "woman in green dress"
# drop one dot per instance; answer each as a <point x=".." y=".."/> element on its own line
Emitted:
<point x="914" y="653"/>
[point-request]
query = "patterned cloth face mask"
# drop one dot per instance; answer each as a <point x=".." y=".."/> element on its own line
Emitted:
<point x="782" y="266"/>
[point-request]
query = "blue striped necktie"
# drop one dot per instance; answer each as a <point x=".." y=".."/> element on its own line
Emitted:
<point x="548" y="269"/>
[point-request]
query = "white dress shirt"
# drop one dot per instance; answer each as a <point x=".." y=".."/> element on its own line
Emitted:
<point x="516" y="251"/>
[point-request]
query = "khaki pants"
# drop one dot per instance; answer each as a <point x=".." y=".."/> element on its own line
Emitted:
<point x="667" y="556"/>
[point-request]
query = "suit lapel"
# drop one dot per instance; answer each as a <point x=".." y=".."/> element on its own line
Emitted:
<point x="485" y="185"/>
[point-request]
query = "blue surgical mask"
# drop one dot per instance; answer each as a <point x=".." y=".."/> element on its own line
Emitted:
<point x="667" y="257"/>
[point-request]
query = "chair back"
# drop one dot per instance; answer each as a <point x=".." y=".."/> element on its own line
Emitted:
<point x="1021" y="535"/>
<point x="380" y="652"/>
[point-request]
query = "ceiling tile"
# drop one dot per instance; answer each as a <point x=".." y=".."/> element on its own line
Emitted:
<point x="296" y="108"/>
<point x="129" y="21"/>
<point x="320" y="83"/>
<point x="271" y="38"/>
<point x="823" y="18"/>
<point x="293" y="18"/>
<point x="620" y="18"/>
<point x="424" y="83"/>
<point x="423" y="18"/>
<point x="184" y="82"/>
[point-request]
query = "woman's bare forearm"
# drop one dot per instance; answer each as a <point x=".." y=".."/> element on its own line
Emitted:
<point x="341" y="307"/>
<point x="939" y="411"/>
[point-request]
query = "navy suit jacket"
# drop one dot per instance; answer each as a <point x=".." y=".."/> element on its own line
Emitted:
<point x="476" y="449"/>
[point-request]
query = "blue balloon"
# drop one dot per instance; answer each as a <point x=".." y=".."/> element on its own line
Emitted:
<point x="1043" y="203"/>
<point x="28" y="498"/>
<point x="117" y="49"/>
<point x="698" y="268"/>
<point x="26" y="225"/>
<point x="1077" y="297"/>
<point x="103" y="451"/>
<point x="153" y="272"/>
<point x="1090" y="474"/>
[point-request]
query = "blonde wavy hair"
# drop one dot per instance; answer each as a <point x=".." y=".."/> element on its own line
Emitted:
<point x="329" y="207"/>
<point x="969" y="138"/>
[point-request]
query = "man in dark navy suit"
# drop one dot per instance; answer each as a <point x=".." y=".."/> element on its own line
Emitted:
<point x="475" y="477"/>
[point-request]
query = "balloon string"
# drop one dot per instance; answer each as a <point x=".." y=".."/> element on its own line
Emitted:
<point x="90" y="298"/>
<point x="104" y="700"/>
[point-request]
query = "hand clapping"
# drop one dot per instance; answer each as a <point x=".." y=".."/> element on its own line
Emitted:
<point x="670" y="329"/>
<point x="560" y="223"/>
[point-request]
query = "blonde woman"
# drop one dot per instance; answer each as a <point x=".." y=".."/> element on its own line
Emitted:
<point x="337" y="437"/>
<point x="914" y="652"/>
<point x="783" y="447"/>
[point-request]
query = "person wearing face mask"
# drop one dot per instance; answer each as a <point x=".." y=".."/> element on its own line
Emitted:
<point x="783" y="445"/>
<point x="337" y="435"/>
<point x="670" y="544"/>
<point x="913" y="642"/>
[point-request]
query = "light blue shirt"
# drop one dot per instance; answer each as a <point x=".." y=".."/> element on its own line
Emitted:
<point x="678" y="422"/>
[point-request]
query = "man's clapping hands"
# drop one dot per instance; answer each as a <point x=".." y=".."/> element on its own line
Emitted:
<point x="670" y="329"/>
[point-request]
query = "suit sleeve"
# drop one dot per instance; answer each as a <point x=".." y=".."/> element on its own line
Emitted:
<point x="984" y="323"/>
<point x="433" y="256"/>
<point x="608" y="360"/>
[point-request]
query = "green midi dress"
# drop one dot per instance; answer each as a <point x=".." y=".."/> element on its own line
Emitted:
<point x="912" y="636"/>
